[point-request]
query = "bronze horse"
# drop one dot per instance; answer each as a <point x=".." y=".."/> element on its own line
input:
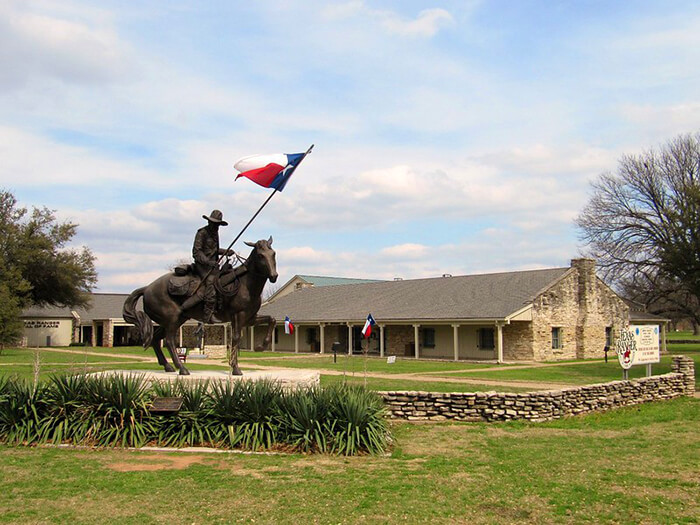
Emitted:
<point x="240" y="309"/>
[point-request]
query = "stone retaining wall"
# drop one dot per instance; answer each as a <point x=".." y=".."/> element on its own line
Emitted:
<point x="542" y="406"/>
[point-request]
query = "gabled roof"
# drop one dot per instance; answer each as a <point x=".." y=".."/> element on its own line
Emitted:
<point x="468" y="297"/>
<point x="103" y="306"/>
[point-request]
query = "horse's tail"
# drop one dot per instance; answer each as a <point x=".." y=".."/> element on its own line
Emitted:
<point x="138" y="318"/>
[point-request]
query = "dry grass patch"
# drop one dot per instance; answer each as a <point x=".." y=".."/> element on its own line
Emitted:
<point x="149" y="462"/>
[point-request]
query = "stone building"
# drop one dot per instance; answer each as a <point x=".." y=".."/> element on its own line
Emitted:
<point x="536" y="315"/>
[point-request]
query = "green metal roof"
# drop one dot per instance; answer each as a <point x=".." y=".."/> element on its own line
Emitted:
<point x="319" y="280"/>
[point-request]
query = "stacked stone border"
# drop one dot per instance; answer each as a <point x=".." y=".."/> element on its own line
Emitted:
<point x="545" y="405"/>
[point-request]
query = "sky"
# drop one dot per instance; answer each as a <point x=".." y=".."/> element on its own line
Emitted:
<point x="451" y="137"/>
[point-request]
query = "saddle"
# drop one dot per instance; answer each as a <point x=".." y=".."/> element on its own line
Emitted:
<point x="184" y="285"/>
<point x="185" y="281"/>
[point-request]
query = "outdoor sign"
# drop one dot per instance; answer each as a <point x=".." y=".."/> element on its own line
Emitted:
<point x="647" y="338"/>
<point x="638" y="345"/>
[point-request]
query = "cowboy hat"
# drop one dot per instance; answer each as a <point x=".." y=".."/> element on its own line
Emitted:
<point x="216" y="217"/>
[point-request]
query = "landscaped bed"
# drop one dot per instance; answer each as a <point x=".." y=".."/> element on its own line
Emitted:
<point x="116" y="410"/>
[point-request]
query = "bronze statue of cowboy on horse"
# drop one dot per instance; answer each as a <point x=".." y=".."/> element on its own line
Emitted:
<point x="207" y="292"/>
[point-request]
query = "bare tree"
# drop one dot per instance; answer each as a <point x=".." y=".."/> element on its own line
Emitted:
<point x="642" y="224"/>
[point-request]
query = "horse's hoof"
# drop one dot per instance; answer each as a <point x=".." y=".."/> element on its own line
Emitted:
<point x="235" y="371"/>
<point x="168" y="368"/>
<point x="184" y="371"/>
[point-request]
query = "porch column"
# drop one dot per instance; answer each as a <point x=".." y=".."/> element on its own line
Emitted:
<point x="322" y="336"/>
<point x="499" y="342"/>
<point x="180" y="333"/>
<point x="296" y="339"/>
<point x="416" y="343"/>
<point x="274" y="334"/>
<point x="455" y="339"/>
<point x="252" y="338"/>
<point x="93" y="343"/>
<point x="381" y="340"/>
<point x="349" y="339"/>
<point x="663" y="337"/>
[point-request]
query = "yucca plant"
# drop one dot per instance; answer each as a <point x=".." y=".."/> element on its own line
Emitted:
<point x="358" y="420"/>
<point x="192" y="425"/>
<point x="245" y="412"/>
<point x="259" y="406"/>
<point x="119" y="403"/>
<point x="68" y="417"/>
<point x="22" y="411"/>
<point x="302" y="418"/>
<point x="224" y="402"/>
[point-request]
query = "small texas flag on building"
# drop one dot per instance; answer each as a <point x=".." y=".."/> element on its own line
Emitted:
<point x="288" y="326"/>
<point x="369" y="323"/>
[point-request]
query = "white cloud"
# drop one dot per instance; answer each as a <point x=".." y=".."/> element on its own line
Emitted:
<point x="405" y="251"/>
<point x="426" y="24"/>
<point x="47" y="45"/>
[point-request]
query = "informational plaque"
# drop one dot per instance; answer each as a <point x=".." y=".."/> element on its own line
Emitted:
<point x="647" y="339"/>
<point x="638" y="345"/>
<point x="166" y="405"/>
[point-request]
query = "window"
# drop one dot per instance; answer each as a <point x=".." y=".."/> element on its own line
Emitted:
<point x="486" y="340"/>
<point x="608" y="336"/>
<point x="429" y="337"/>
<point x="556" y="338"/>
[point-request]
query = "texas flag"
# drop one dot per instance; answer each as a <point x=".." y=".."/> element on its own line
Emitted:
<point x="270" y="171"/>
<point x="288" y="326"/>
<point x="369" y="323"/>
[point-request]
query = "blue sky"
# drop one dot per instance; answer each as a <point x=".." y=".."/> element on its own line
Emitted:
<point x="451" y="137"/>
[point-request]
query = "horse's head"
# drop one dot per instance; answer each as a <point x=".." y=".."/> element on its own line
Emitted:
<point x="262" y="259"/>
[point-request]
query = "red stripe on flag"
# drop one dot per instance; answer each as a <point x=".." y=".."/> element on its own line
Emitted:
<point x="263" y="176"/>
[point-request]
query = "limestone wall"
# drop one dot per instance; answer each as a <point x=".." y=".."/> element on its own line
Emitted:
<point x="582" y="306"/>
<point x="542" y="406"/>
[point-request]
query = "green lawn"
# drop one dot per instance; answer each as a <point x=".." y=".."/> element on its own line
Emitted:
<point x="575" y="374"/>
<point x="381" y="384"/>
<point x="634" y="465"/>
<point x="28" y="355"/>
<point x="357" y="364"/>
<point x="682" y="336"/>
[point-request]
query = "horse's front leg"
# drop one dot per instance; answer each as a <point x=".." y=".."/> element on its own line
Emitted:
<point x="172" y="348"/>
<point x="271" y="323"/>
<point x="236" y="326"/>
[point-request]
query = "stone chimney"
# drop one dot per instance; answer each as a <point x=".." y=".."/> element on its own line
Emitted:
<point x="587" y="308"/>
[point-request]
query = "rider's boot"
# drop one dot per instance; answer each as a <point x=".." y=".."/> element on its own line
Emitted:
<point x="209" y="316"/>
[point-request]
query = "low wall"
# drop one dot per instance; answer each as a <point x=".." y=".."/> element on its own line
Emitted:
<point x="542" y="406"/>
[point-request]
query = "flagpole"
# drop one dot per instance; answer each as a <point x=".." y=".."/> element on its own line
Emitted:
<point x="222" y="256"/>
